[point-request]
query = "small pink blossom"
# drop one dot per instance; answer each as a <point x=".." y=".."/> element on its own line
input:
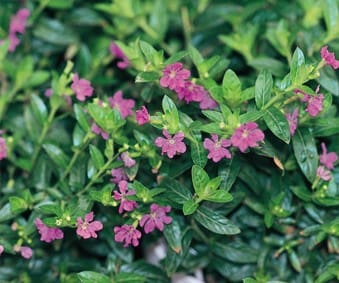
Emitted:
<point x="124" y="106"/>
<point x="156" y="219"/>
<point x="19" y="21"/>
<point x="323" y="173"/>
<point x="128" y="234"/>
<point x="97" y="130"/>
<point x="47" y="234"/>
<point x="142" y="116"/>
<point x="292" y="119"/>
<point x="13" y="42"/>
<point x="217" y="149"/>
<point x="207" y="102"/>
<point x="1" y="249"/>
<point x="190" y="91"/>
<point x="88" y="227"/>
<point x="171" y="145"/>
<point x="314" y="104"/>
<point x="125" y="204"/>
<point x="118" y="174"/>
<point x="119" y="54"/>
<point x="327" y="159"/>
<point x="247" y="135"/>
<point x="329" y="57"/>
<point x="26" y="252"/>
<point x="174" y="76"/>
<point x="81" y="87"/>
<point x="48" y="92"/>
<point x="3" y="148"/>
<point x="127" y="160"/>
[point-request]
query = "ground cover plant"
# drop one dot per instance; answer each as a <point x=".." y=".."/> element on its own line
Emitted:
<point x="202" y="128"/>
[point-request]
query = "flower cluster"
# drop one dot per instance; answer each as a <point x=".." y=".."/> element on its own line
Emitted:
<point x="329" y="58"/>
<point x="327" y="160"/>
<point x="175" y="77"/>
<point x="124" y="106"/>
<point x="119" y="54"/>
<point x="81" y="87"/>
<point x="47" y="234"/>
<point x="17" y="25"/>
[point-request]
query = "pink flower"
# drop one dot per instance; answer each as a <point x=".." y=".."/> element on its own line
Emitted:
<point x="88" y="227"/>
<point x="1" y="249"/>
<point x="124" y="106"/>
<point x="119" y="54"/>
<point x="207" y="102"/>
<point x="190" y="91"/>
<point x="97" y="130"/>
<point x="329" y="57"/>
<point x="292" y="119"/>
<point x="47" y="234"/>
<point x="127" y="160"/>
<point x="171" y="145"/>
<point x="18" y="21"/>
<point x="217" y="149"/>
<point x="81" y="88"/>
<point x="327" y="159"/>
<point x="323" y="173"/>
<point x="174" y="76"/>
<point x="125" y="204"/>
<point x="13" y="42"/>
<point x="3" y="148"/>
<point x="26" y="252"/>
<point x="247" y="135"/>
<point x="118" y="174"/>
<point x="48" y="92"/>
<point x="314" y="104"/>
<point x="156" y="219"/>
<point x="142" y="116"/>
<point x="128" y="234"/>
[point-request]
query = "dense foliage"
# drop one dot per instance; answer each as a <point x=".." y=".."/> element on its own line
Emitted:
<point x="208" y="128"/>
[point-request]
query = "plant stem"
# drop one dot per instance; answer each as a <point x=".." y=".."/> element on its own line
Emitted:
<point x="43" y="135"/>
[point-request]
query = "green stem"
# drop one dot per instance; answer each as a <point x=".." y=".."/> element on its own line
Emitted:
<point x="186" y="25"/>
<point x="43" y="136"/>
<point x="98" y="175"/>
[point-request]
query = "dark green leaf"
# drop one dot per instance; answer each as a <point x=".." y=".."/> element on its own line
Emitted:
<point x="91" y="276"/>
<point x="263" y="88"/>
<point x="198" y="154"/>
<point x="176" y="191"/>
<point x="236" y="252"/>
<point x="39" y="109"/>
<point x="200" y="179"/>
<point x="81" y="117"/>
<point x="229" y="172"/>
<point x="57" y="155"/>
<point x="97" y="157"/>
<point x="278" y="124"/>
<point x="124" y="277"/>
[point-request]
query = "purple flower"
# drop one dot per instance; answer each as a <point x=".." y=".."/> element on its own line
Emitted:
<point x="97" y="130"/>
<point x="88" y="227"/>
<point x="142" y="116"/>
<point x="3" y="148"/>
<point x="128" y="234"/>
<point x="217" y="149"/>
<point x="125" y="204"/>
<point x="119" y="54"/>
<point x="314" y="104"/>
<point x="47" y="234"/>
<point x="156" y="219"/>
<point x="1" y="249"/>
<point x="207" y="102"/>
<point x="292" y="119"/>
<point x="18" y="21"/>
<point x="171" y="145"/>
<point x="118" y="174"/>
<point x="329" y="57"/>
<point x="127" y="160"/>
<point x="13" y="42"/>
<point x="323" y="173"/>
<point x="26" y="252"/>
<point x="327" y="159"/>
<point x="124" y="106"/>
<point x="174" y="76"/>
<point x="247" y="135"/>
<point x="81" y="87"/>
<point x="190" y="91"/>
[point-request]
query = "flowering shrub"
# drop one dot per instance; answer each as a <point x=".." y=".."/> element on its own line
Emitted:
<point x="206" y="130"/>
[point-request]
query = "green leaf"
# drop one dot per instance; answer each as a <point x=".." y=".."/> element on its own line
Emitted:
<point x="176" y="191"/>
<point x="232" y="88"/>
<point x="97" y="157"/>
<point x="177" y="56"/>
<point x="159" y="19"/>
<point x="198" y="154"/>
<point x="37" y="79"/>
<point x="91" y="276"/>
<point x="171" y="114"/>
<point x="60" y="4"/>
<point x="220" y="196"/>
<point x="173" y="235"/>
<point x="330" y="8"/>
<point x="302" y="193"/>
<point x="263" y="88"/>
<point x="145" y="77"/>
<point x="228" y="171"/>
<point x="147" y="50"/>
<point x="277" y="123"/>
<point x="24" y="71"/>
<point x="200" y="179"/>
<point x="215" y="116"/>
<point x="305" y="152"/>
<point x="18" y="204"/>
<point x="236" y="252"/>
<point x="195" y="55"/>
<point x="215" y="222"/>
<point x="81" y="117"/>
<point x="190" y="207"/>
<point x="57" y="155"/>
<point x="39" y="109"/>
<point x="124" y="277"/>
<point x="6" y="213"/>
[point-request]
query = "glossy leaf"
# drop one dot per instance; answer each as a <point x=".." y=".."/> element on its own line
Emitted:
<point x="263" y="88"/>
<point x="278" y="124"/>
